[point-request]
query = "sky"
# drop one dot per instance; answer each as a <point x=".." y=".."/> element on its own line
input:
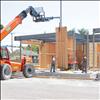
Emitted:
<point x="75" y="14"/>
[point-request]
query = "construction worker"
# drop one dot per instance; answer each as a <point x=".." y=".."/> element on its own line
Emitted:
<point x="84" y="64"/>
<point x="53" y="63"/>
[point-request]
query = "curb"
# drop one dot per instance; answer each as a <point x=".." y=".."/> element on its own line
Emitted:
<point x="58" y="75"/>
<point x="64" y="76"/>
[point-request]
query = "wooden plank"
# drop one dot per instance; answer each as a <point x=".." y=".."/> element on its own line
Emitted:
<point x="61" y="47"/>
<point x="91" y="55"/>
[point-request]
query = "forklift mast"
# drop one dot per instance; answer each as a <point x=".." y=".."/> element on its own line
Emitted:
<point x="37" y="14"/>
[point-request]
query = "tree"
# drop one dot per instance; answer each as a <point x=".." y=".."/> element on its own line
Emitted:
<point x="28" y="47"/>
<point x="83" y="31"/>
<point x="1" y="26"/>
<point x="72" y="30"/>
<point x="33" y="47"/>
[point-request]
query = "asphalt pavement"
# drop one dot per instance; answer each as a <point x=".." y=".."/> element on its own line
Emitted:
<point x="49" y="89"/>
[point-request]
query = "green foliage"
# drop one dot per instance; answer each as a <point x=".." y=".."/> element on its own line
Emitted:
<point x="72" y="30"/>
<point x="1" y="27"/>
<point x="28" y="47"/>
<point x="83" y="31"/>
<point x="33" y="47"/>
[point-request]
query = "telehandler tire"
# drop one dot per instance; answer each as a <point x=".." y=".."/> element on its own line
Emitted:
<point x="28" y="70"/>
<point x="6" y="72"/>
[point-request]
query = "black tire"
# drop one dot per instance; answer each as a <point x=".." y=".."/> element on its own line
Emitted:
<point x="28" y="70"/>
<point x="6" y="72"/>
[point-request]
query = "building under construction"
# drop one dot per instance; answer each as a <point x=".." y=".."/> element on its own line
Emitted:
<point x="65" y="45"/>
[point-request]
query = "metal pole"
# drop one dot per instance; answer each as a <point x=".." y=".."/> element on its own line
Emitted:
<point x="60" y="13"/>
<point x="12" y="42"/>
<point x="74" y="50"/>
<point x="87" y="49"/>
<point x="60" y="25"/>
<point x="93" y="50"/>
<point x="20" y="50"/>
<point x="99" y="62"/>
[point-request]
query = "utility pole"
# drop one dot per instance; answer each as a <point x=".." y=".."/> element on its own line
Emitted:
<point x="60" y="13"/>
<point x="60" y="25"/>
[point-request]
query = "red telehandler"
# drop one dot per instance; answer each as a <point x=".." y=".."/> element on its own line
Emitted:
<point x="6" y="65"/>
